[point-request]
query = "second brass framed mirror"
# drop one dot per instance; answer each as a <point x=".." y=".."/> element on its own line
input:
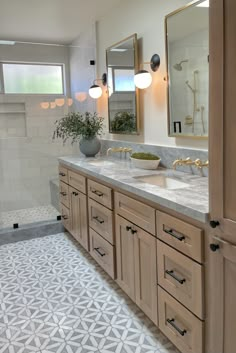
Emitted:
<point x="187" y="52"/>
<point x="123" y="100"/>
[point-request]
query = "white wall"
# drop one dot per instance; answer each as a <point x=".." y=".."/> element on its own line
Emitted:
<point x="146" y="18"/>
<point x="82" y="74"/>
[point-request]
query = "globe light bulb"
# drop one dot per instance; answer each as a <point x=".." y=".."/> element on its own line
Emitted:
<point x="142" y="79"/>
<point x="95" y="91"/>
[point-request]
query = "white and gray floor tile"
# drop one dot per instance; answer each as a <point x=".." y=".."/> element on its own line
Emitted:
<point x="55" y="299"/>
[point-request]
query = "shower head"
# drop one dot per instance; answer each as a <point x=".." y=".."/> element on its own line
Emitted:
<point x="178" y="66"/>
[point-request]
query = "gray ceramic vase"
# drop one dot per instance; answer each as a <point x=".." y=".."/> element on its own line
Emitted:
<point x="90" y="147"/>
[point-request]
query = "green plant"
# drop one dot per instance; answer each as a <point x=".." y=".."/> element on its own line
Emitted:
<point x="123" y="121"/>
<point x="77" y="125"/>
<point x="146" y="156"/>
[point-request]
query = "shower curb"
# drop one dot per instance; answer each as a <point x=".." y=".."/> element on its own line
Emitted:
<point x="31" y="231"/>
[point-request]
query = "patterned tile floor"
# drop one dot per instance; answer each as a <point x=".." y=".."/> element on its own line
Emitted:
<point x="28" y="215"/>
<point x="55" y="299"/>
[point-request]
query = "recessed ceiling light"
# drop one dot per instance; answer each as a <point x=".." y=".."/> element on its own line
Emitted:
<point x="204" y="4"/>
<point x="118" y="49"/>
<point x="7" y="42"/>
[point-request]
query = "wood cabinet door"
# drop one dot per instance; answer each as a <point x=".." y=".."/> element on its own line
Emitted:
<point x="79" y="219"/>
<point x="222" y="147"/>
<point x="222" y="313"/>
<point x="125" y="256"/>
<point x="146" y="272"/>
<point x="221" y="335"/>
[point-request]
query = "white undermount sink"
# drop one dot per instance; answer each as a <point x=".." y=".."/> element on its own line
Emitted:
<point x="162" y="181"/>
<point x="101" y="163"/>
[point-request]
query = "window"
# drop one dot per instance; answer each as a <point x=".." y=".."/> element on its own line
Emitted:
<point x="120" y="79"/>
<point x="21" y="78"/>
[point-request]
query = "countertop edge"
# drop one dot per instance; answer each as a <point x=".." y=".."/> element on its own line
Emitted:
<point x="186" y="211"/>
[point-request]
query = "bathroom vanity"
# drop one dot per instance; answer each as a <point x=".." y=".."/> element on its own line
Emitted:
<point x="143" y="228"/>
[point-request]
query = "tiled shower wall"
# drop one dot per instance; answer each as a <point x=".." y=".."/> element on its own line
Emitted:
<point x="28" y="163"/>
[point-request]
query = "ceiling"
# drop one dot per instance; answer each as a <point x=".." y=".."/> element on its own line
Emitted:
<point x="49" y="21"/>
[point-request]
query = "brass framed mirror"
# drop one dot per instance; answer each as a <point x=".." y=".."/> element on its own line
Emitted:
<point x="123" y="100"/>
<point x="187" y="55"/>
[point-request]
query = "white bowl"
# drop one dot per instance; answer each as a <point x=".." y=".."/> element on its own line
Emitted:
<point x="145" y="164"/>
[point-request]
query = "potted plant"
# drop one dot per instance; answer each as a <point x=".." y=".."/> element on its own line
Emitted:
<point x="145" y="160"/>
<point x="84" y="127"/>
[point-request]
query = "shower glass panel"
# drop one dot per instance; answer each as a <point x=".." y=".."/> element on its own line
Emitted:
<point x="28" y="155"/>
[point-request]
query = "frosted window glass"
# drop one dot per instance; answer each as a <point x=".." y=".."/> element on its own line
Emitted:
<point x="33" y="79"/>
<point x="124" y="80"/>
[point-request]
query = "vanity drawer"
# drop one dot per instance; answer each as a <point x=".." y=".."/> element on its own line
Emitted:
<point x="64" y="194"/>
<point x="100" y="193"/>
<point x="77" y="181"/>
<point x="140" y="214"/>
<point x="101" y="220"/>
<point x="103" y="252"/>
<point x="184" y="237"/>
<point x="65" y="217"/>
<point x="181" y="277"/>
<point x="63" y="174"/>
<point x="179" y="325"/>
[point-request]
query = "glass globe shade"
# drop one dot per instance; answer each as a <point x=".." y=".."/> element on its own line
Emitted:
<point x="44" y="105"/>
<point x="69" y="101"/>
<point x="95" y="91"/>
<point x="142" y="79"/>
<point x="60" y="102"/>
<point x="52" y="105"/>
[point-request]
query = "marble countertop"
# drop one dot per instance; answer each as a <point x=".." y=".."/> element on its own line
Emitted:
<point x="191" y="200"/>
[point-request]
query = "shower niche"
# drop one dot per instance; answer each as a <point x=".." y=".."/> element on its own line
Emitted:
<point x="187" y="52"/>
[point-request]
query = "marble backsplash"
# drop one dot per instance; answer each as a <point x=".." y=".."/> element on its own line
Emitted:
<point x="167" y="154"/>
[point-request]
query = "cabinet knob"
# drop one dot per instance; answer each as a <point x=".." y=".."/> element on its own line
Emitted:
<point x="214" y="247"/>
<point x="214" y="224"/>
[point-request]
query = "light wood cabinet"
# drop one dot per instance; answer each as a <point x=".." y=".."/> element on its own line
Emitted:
<point x="181" y="277"/>
<point x="181" y="235"/>
<point x="221" y="284"/>
<point x="125" y="256"/>
<point x="179" y="324"/>
<point x="103" y="252"/>
<point x="78" y="217"/>
<point x="136" y="265"/>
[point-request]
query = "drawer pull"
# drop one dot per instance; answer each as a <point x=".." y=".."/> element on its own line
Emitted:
<point x="172" y="323"/>
<point x="170" y="232"/>
<point x="99" y="220"/>
<point x="172" y="274"/>
<point x="62" y="174"/>
<point x="75" y="193"/>
<point x="96" y="192"/>
<point x="99" y="252"/>
<point x="65" y="217"/>
<point x="63" y="193"/>
<point x="133" y="231"/>
<point x="128" y="228"/>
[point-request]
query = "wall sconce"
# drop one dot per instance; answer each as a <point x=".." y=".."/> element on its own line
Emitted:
<point x="143" y="78"/>
<point x="95" y="91"/>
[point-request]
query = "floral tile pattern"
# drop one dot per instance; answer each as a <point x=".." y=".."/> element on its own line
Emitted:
<point x="55" y="299"/>
<point x="28" y="215"/>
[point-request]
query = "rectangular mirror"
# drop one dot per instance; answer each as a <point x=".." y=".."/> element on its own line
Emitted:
<point x="187" y="52"/>
<point x="123" y="105"/>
